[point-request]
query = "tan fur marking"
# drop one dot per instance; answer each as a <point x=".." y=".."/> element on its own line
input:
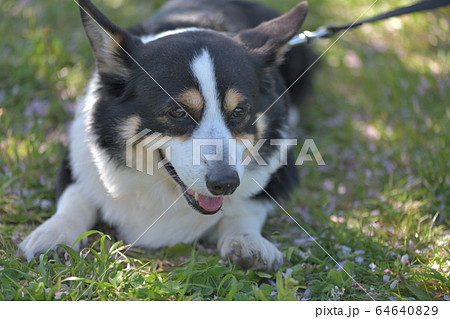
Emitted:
<point x="130" y="127"/>
<point x="163" y="120"/>
<point x="232" y="99"/>
<point x="192" y="99"/>
<point x="182" y="138"/>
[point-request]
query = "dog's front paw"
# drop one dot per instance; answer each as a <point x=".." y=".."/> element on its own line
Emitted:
<point x="54" y="231"/>
<point x="251" y="251"/>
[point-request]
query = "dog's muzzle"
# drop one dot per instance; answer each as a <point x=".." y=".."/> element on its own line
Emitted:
<point x="220" y="182"/>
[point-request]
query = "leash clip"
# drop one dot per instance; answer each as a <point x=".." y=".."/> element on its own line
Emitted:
<point x="308" y="36"/>
<point x="329" y="31"/>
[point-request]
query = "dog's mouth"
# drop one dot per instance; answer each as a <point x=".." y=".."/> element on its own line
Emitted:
<point x="207" y="205"/>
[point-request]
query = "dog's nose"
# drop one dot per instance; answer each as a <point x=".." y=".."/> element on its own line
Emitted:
<point x="222" y="183"/>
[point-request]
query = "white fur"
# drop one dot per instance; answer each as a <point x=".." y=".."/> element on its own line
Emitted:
<point x="74" y="216"/>
<point x="212" y="126"/>
<point x="134" y="201"/>
<point x="239" y="234"/>
<point x="153" y="37"/>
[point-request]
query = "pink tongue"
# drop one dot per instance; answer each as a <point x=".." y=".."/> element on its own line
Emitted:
<point x="210" y="204"/>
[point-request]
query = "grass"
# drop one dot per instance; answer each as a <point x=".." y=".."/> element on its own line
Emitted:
<point x="380" y="207"/>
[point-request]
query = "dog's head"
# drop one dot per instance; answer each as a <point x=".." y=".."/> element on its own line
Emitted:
<point x="201" y="88"/>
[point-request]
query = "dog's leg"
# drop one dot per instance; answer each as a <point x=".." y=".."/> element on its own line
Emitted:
<point x="240" y="238"/>
<point x="74" y="216"/>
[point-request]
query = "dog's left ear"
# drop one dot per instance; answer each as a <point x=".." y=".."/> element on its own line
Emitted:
<point x="111" y="45"/>
<point x="269" y="39"/>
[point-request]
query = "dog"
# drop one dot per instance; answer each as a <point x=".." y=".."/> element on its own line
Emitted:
<point x="195" y="70"/>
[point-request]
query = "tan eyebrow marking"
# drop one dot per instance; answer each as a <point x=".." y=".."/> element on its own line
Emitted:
<point x="232" y="99"/>
<point x="192" y="99"/>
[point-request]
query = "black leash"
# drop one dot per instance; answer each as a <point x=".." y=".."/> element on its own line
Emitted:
<point x="329" y="31"/>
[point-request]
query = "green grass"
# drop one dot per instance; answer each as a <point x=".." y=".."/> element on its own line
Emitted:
<point x="379" y="115"/>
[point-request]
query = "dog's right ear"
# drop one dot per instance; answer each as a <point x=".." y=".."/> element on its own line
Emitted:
<point x="270" y="38"/>
<point x="112" y="46"/>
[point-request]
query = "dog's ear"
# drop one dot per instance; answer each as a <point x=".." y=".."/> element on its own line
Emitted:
<point x="270" y="38"/>
<point x="112" y="46"/>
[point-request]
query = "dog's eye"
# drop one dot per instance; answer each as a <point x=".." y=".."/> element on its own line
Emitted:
<point x="238" y="112"/>
<point x="178" y="113"/>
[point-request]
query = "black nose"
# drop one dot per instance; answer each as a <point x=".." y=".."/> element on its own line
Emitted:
<point x="222" y="183"/>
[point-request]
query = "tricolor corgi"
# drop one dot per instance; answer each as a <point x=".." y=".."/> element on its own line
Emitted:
<point x="201" y="84"/>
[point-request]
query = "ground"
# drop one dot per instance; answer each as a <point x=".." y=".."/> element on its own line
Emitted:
<point x="379" y="208"/>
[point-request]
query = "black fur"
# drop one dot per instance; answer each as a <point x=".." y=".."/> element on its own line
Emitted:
<point x="282" y="182"/>
<point x="232" y="16"/>
<point x="65" y="177"/>
<point x="219" y="15"/>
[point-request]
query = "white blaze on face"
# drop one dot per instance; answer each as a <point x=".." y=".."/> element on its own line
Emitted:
<point x="211" y="126"/>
